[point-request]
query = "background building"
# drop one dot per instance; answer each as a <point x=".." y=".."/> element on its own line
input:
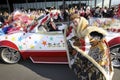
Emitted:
<point x="10" y="5"/>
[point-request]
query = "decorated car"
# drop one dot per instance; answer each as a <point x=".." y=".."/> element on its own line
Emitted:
<point x="41" y="41"/>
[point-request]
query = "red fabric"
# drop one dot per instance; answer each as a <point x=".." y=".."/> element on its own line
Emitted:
<point x="44" y="20"/>
<point x="13" y="30"/>
<point x="69" y="31"/>
<point x="33" y="26"/>
<point x="118" y="11"/>
<point x="82" y="41"/>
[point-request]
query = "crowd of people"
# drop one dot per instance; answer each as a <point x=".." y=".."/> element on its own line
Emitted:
<point x="87" y="12"/>
<point x="25" y="17"/>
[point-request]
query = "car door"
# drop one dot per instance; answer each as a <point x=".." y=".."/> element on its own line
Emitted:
<point x="45" y="41"/>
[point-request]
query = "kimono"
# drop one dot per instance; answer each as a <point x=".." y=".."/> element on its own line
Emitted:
<point x="95" y="63"/>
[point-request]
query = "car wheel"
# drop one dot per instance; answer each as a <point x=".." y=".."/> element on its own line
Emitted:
<point x="115" y="56"/>
<point x="9" y="55"/>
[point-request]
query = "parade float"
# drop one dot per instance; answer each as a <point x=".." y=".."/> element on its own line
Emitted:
<point x="40" y="40"/>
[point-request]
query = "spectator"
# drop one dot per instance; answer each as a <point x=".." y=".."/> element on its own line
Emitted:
<point x="97" y="12"/>
<point x="104" y="13"/>
<point x="87" y="13"/>
<point x="1" y="18"/>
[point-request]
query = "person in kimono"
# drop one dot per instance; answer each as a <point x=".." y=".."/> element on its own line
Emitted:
<point x="87" y="68"/>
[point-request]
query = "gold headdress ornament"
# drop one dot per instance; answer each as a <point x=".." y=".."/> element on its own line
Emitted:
<point x="82" y="25"/>
<point x="74" y="15"/>
<point x="83" y="28"/>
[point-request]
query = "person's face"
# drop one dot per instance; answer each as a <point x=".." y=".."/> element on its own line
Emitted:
<point x="76" y="21"/>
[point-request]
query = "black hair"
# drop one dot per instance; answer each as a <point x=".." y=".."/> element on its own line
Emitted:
<point x="95" y="33"/>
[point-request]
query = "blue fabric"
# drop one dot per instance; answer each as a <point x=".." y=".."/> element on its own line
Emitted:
<point x="1" y="32"/>
<point x="5" y="29"/>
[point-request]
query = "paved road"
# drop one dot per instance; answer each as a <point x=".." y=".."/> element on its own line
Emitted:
<point x="26" y="70"/>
